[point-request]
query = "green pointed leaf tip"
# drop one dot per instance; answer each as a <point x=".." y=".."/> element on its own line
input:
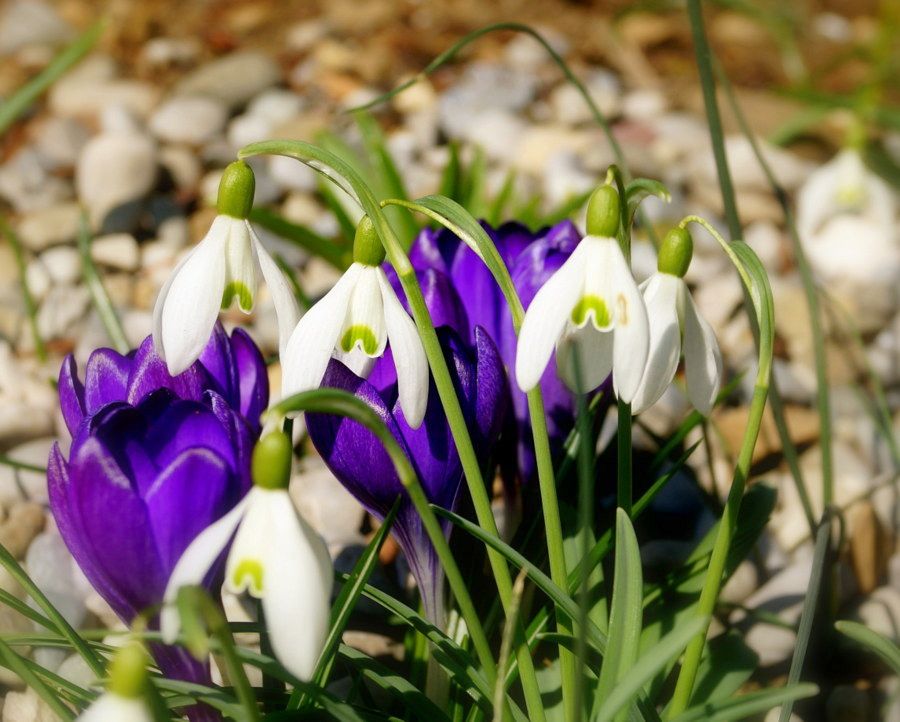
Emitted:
<point x="367" y="247"/>
<point x="236" y="190"/>
<point x="603" y="212"/>
<point x="271" y="464"/>
<point x="128" y="671"/>
<point x="676" y="252"/>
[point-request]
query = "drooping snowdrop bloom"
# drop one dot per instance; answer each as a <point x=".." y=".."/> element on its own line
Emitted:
<point x="676" y="326"/>
<point x="124" y="699"/>
<point x="275" y="556"/>
<point x="590" y="311"/>
<point x="225" y="266"/>
<point x="354" y="322"/>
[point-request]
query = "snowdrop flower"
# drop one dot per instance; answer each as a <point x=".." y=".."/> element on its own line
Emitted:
<point x="124" y="698"/>
<point x="223" y="267"/>
<point x="591" y="311"/>
<point x="675" y="324"/>
<point x="353" y="322"/>
<point x="275" y="556"/>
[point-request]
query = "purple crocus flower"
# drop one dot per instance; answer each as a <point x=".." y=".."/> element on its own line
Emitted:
<point x="154" y="460"/>
<point x="359" y="461"/>
<point x="453" y="275"/>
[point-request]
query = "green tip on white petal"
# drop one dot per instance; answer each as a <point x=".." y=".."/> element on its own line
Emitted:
<point x="128" y="671"/>
<point x="239" y="291"/>
<point x="249" y="575"/>
<point x="367" y="248"/>
<point x="271" y="463"/>
<point x="236" y="190"/>
<point x="591" y="305"/>
<point x="362" y="335"/>
<point x="603" y="212"/>
<point x="676" y="252"/>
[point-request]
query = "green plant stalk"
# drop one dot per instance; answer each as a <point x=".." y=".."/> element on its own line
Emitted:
<point x="21" y="465"/>
<point x="98" y="293"/>
<point x="15" y="663"/>
<point x="544" y="460"/>
<point x="200" y="601"/>
<point x="823" y="402"/>
<point x="585" y="528"/>
<point x="21" y="100"/>
<point x="440" y="372"/>
<point x="30" y="306"/>
<point x="506" y="642"/>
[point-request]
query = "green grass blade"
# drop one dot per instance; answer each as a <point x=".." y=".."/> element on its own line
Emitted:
<point x="28" y="300"/>
<point x="747" y="705"/>
<point x="17" y="664"/>
<point x="102" y="303"/>
<point x="495" y="214"/>
<point x="336" y="254"/>
<point x="873" y="641"/>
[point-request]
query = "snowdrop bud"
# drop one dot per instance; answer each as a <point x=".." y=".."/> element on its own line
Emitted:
<point x="271" y="464"/>
<point x="236" y="190"/>
<point x="603" y="212"/>
<point x="128" y="671"/>
<point x="675" y="252"/>
<point x="367" y="248"/>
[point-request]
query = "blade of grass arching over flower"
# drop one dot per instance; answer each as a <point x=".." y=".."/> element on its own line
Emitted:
<point x="27" y="299"/>
<point x="100" y="297"/>
<point x="811" y="294"/>
<point x="344" y="606"/>
<point x="334" y="401"/>
<point x="20" y="101"/>
<point x="707" y="82"/>
<point x="756" y="285"/>
<point x="454" y="217"/>
<point x="810" y="607"/>
<point x="873" y="641"/>
<point x="335" y="253"/>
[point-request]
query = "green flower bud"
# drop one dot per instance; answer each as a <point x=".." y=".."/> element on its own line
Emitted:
<point x="128" y="671"/>
<point x="603" y="212"/>
<point x="271" y="462"/>
<point x="675" y="252"/>
<point x="236" y="190"/>
<point x="367" y="248"/>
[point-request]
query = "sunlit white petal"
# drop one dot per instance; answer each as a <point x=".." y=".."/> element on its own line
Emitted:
<point x="241" y="280"/>
<point x="364" y="326"/>
<point x="299" y="577"/>
<point x="313" y="341"/>
<point x="161" y="303"/>
<point x="192" y="301"/>
<point x="195" y="563"/>
<point x="546" y="318"/>
<point x="597" y="301"/>
<point x="409" y="355"/>
<point x="286" y="312"/>
<point x="244" y="571"/>
<point x="702" y="360"/>
<point x="632" y="331"/>
<point x="593" y="352"/>
<point x="662" y="293"/>
<point x="111" y="707"/>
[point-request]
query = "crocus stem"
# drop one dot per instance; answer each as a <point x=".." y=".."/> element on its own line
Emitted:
<point x="30" y="306"/>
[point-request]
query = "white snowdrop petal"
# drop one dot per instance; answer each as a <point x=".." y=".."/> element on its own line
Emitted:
<point x="661" y="296"/>
<point x="192" y="301"/>
<point x="312" y="343"/>
<point x="409" y="355"/>
<point x="632" y="331"/>
<point x="195" y="563"/>
<point x="702" y="359"/>
<point x="286" y="311"/>
<point x="110" y="707"/>
<point x="546" y="318"/>
<point x="241" y="280"/>
<point x="296" y="601"/>
<point x="593" y="351"/>
<point x="364" y="324"/>
<point x="598" y="298"/>
<point x="161" y="303"/>
<point x="245" y="570"/>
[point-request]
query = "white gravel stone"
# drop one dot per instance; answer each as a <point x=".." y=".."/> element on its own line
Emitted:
<point x="182" y="165"/>
<point x="276" y="105"/>
<point x="38" y="279"/>
<point x="248" y="128"/>
<point x="643" y="104"/>
<point x="162" y="52"/>
<point x="31" y="22"/>
<point x="63" y="306"/>
<point x="50" y="227"/>
<point x="234" y="79"/>
<point x="326" y="505"/>
<point x="62" y="263"/>
<point x="189" y="119"/>
<point x="116" y="250"/>
<point x="27" y="185"/>
<point x="59" y="141"/>
<point x="27" y="707"/>
<point x="569" y="106"/>
<point x="19" y="484"/>
<point x="49" y="565"/>
<point x="78" y="97"/>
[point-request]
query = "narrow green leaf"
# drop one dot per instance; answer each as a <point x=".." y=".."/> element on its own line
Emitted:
<point x="102" y="303"/>
<point x="335" y="253"/>
<point x="17" y="664"/>
<point x="727" y="664"/>
<point x="873" y="641"/>
<point x="504" y="196"/>
<point x="40" y="347"/>
<point x="748" y="705"/>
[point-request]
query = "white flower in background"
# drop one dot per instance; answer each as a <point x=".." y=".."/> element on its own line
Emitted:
<point x="224" y="266"/>
<point x="590" y="311"/>
<point x="124" y="698"/>
<point x="353" y="322"/>
<point x="676" y="326"/>
<point x="275" y="556"/>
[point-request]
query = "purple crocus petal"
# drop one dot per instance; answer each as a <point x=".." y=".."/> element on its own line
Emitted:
<point x="480" y="294"/>
<point x="242" y="438"/>
<point x="491" y="390"/>
<point x="434" y="248"/>
<point x="71" y="394"/>
<point x="177" y="663"/>
<point x="511" y="239"/>
<point x="114" y="523"/>
<point x="442" y="300"/>
<point x="216" y="359"/>
<point x="105" y="379"/>
<point x="187" y="496"/>
<point x="253" y="379"/>
<point x="150" y="374"/>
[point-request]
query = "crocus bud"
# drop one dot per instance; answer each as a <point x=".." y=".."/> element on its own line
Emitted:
<point x="367" y="248"/>
<point x="236" y="190"/>
<point x="128" y="671"/>
<point x="675" y="252"/>
<point x="603" y="212"/>
<point x="271" y="464"/>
